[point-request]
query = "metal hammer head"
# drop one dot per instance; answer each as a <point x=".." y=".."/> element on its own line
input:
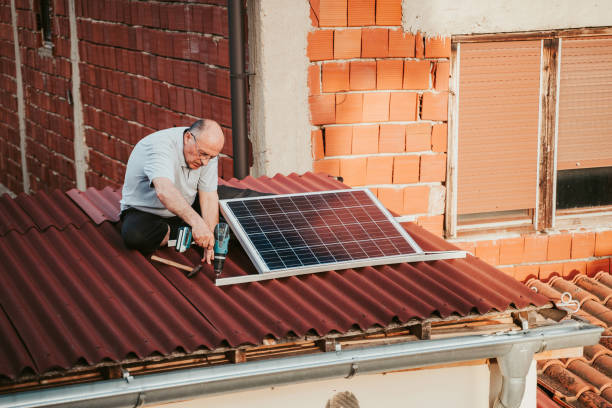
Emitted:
<point x="194" y="271"/>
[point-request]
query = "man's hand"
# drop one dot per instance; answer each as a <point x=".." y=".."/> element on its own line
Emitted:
<point x="203" y="236"/>
<point x="201" y="231"/>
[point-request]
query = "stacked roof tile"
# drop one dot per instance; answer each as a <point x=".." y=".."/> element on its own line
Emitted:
<point x="585" y="381"/>
<point x="71" y="294"/>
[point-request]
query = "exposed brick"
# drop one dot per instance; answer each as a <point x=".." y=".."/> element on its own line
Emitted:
<point x="328" y="166"/>
<point x="438" y="47"/>
<point x="488" y="251"/>
<point x="536" y="248"/>
<point x="416" y="199"/>
<point x="347" y="44"/>
<point x="403" y="106"/>
<point x="314" y="80"/>
<point x="401" y="44"/>
<point x="379" y="170"/>
<point x="392" y="199"/>
<point x="418" y="137"/>
<point x="508" y="270"/>
<point x="419" y="45"/>
<point x="315" y="9"/>
<point x="432" y="223"/>
<point x="549" y="270"/>
<point x="227" y="168"/>
<point x="320" y="45"/>
<point x="353" y="171"/>
<point x="322" y="109"/>
<point x="365" y="139"/>
<point x="511" y="251"/>
<point x="389" y="74"/>
<point x="439" y="137"/>
<point x="559" y="247"/>
<point x="523" y="273"/>
<point x="392" y="138"/>
<point x="583" y="245"/>
<point x="362" y="75"/>
<point x="349" y="108"/>
<point x="361" y="12"/>
<point x="406" y="169"/>
<point x="603" y="243"/>
<point x="388" y="12"/>
<point x="433" y="167"/>
<point x="338" y="140"/>
<point x="376" y="106"/>
<point x="332" y="13"/>
<point x="435" y="106"/>
<point x="441" y="76"/>
<point x="375" y="43"/>
<point x="416" y="74"/>
<point x="467" y="246"/>
<point x="571" y="269"/>
<point x="335" y="76"/>
<point x="593" y="267"/>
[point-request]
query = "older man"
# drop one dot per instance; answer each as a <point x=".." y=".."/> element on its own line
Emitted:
<point x="166" y="171"/>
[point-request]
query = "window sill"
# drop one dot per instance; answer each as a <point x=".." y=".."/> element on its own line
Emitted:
<point x="584" y="218"/>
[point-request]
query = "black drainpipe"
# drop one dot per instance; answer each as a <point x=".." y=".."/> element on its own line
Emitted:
<point x="238" y="85"/>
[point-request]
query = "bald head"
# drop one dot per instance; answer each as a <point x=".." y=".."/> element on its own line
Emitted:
<point x="210" y="130"/>
<point x="202" y="142"/>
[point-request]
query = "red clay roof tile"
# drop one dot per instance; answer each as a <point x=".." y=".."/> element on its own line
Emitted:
<point x="585" y="381"/>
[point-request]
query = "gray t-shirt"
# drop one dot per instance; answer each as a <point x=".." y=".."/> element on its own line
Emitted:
<point x="160" y="154"/>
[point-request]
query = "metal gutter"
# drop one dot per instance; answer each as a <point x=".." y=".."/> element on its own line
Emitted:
<point x="200" y="382"/>
<point x="235" y="16"/>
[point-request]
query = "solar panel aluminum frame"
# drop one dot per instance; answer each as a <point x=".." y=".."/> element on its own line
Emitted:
<point x="266" y="273"/>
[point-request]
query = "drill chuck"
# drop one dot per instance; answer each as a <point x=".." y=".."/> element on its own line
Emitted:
<point x="222" y="236"/>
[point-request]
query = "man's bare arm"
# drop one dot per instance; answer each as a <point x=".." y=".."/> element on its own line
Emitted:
<point x="209" y="207"/>
<point x="172" y="199"/>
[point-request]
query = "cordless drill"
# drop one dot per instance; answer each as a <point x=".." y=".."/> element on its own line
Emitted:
<point x="222" y="236"/>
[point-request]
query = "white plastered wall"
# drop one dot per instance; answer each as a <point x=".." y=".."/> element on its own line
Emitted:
<point x="458" y="387"/>
<point x="447" y="17"/>
<point x="280" y="114"/>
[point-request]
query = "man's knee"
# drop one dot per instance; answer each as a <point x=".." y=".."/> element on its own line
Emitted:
<point x="135" y="238"/>
<point x="143" y="232"/>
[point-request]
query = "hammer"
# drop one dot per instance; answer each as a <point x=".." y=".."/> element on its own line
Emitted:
<point x="191" y="271"/>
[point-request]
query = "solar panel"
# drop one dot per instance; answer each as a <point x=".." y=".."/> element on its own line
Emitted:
<point x="292" y="234"/>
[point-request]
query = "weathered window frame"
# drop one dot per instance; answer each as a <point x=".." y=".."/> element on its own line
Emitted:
<point x="544" y="217"/>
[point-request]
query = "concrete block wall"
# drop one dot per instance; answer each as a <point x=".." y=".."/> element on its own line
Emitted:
<point x="10" y="159"/>
<point x="147" y="66"/>
<point x="378" y="101"/>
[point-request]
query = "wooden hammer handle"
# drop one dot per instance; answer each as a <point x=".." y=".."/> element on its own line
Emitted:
<point x="172" y="263"/>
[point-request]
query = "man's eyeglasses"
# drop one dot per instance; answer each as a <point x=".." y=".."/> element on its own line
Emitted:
<point x="203" y="155"/>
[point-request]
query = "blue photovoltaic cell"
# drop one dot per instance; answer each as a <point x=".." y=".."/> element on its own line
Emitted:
<point x="314" y="229"/>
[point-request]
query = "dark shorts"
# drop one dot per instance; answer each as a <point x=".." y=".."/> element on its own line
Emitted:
<point x="145" y="231"/>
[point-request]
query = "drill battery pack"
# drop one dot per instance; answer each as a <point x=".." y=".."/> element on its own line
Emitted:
<point x="183" y="239"/>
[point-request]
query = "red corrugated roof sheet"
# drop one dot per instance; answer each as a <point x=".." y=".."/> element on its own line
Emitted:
<point x="584" y="381"/>
<point x="76" y="296"/>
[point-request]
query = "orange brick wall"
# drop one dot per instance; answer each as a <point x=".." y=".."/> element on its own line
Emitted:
<point x="543" y="256"/>
<point x="378" y="101"/>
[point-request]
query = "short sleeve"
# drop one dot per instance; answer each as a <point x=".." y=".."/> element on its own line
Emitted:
<point x="158" y="162"/>
<point x="208" y="177"/>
